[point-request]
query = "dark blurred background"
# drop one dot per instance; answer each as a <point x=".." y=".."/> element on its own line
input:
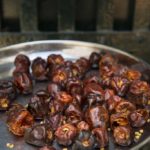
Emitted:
<point x="123" y="24"/>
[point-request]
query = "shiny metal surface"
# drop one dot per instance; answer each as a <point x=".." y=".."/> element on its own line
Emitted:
<point x="70" y="50"/>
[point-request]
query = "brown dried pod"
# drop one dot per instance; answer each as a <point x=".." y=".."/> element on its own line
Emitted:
<point x="82" y="64"/>
<point x="39" y="104"/>
<point x="7" y="94"/>
<point x="94" y="59"/>
<point x="119" y="119"/>
<point x="122" y="135"/>
<point x="93" y="93"/>
<point x="120" y="85"/>
<point x="76" y="71"/>
<point x="125" y="107"/>
<point x="65" y="135"/>
<point x="74" y="86"/>
<point x="139" y="117"/>
<point x="137" y="90"/>
<point x="19" y="119"/>
<point x="107" y="70"/>
<point x="97" y="117"/>
<point x="39" y="135"/>
<point x="55" y="59"/>
<point x="101" y="137"/>
<point x="23" y="83"/>
<point x="112" y="102"/>
<point x="107" y="59"/>
<point x="22" y="59"/>
<point x="139" y="87"/>
<point x="60" y="76"/>
<point x="83" y="126"/>
<point x="39" y="69"/>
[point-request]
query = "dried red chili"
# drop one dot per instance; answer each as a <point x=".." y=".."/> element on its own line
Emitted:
<point x="97" y="117"/>
<point x="39" y="69"/>
<point x="23" y="83"/>
<point x="39" y="135"/>
<point x="65" y="134"/>
<point x="122" y="135"/>
<point x="39" y="104"/>
<point x="139" y="117"/>
<point x="120" y="85"/>
<point x="119" y="119"/>
<point x="19" y="119"/>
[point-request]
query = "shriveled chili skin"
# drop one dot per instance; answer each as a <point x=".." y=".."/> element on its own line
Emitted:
<point x="119" y="119"/>
<point x="94" y="60"/>
<point x="93" y="93"/>
<point x="39" y="69"/>
<point x="137" y="90"/>
<point x="120" y="85"/>
<point x="23" y="83"/>
<point x="125" y="106"/>
<point x="22" y="59"/>
<point x="39" y="135"/>
<point x="22" y="64"/>
<point x="60" y="75"/>
<point x="97" y="117"/>
<point x="107" y="66"/>
<point x="139" y="117"/>
<point x="39" y="104"/>
<point x="19" y="119"/>
<point x="112" y="102"/>
<point x="65" y="135"/>
<point x="122" y="135"/>
<point x="82" y="64"/>
<point x="55" y="59"/>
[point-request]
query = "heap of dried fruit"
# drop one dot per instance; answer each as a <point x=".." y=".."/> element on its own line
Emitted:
<point x="82" y="100"/>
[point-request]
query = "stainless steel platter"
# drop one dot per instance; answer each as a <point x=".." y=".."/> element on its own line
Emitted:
<point x="70" y="50"/>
